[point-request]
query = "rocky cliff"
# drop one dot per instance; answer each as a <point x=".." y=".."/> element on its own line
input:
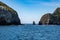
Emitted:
<point x="51" y="19"/>
<point x="8" y="16"/>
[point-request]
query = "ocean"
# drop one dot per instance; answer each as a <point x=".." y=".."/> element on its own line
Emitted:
<point x="30" y="32"/>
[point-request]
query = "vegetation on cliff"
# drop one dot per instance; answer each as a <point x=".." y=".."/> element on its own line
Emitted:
<point x="7" y="7"/>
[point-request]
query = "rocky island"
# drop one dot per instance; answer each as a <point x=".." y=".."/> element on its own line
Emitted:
<point x="51" y="18"/>
<point x="8" y="16"/>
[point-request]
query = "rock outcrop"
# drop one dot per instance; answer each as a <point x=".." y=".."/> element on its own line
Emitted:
<point x="8" y="16"/>
<point x="51" y="19"/>
<point x="33" y="22"/>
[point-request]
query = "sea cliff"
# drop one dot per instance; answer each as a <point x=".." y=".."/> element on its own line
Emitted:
<point x="8" y="16"/>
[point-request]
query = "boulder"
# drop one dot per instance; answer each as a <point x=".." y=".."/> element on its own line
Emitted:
<point x="8" y="16"/>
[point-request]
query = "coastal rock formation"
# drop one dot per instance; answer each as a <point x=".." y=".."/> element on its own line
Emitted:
<point x="47" y="19"/>
<point x="33" y="22"/>
<point x="8" y="16"/>
<point x="51" y="19"/>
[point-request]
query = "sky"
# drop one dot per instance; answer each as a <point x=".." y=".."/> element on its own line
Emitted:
<point x="32" y="10"/>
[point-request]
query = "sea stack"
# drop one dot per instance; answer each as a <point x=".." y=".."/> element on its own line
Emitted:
<point x="51" y="18"/>
<point x="33" y="22"/>
<point x="8" y="16"/>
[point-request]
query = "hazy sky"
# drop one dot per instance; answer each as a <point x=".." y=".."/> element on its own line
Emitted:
<point x="32" y="10"/>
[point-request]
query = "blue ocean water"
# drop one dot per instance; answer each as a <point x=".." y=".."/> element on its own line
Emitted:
<point x="30" y="32"/>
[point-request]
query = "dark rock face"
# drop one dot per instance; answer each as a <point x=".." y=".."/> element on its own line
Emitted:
<point x="51" y="19"/>
<point x="8" y="16"/>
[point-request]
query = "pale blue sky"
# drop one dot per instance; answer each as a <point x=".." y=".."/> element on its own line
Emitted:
<point x="32" y="10"/>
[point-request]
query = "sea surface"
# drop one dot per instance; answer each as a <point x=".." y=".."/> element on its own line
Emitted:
<point x="30" y="32"/>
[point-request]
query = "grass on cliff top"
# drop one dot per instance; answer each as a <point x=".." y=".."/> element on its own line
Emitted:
<point x="7" y="7"/>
